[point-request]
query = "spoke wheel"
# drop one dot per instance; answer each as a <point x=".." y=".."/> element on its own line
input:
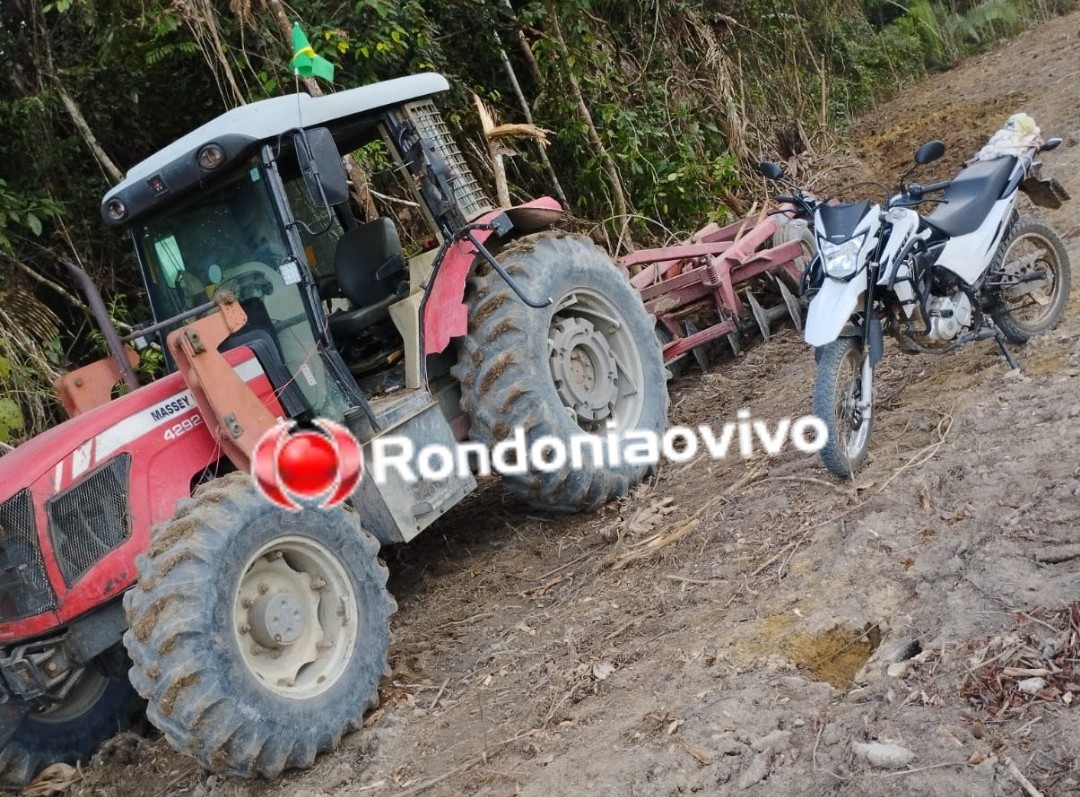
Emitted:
<point x="1031" y="281"/>
<point x="838" y="390"/>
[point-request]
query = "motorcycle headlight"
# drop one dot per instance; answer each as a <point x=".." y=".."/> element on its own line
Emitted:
<point x="841" y="260"/>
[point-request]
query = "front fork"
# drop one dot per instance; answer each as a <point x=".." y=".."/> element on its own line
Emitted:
<point x="873" y="345"/>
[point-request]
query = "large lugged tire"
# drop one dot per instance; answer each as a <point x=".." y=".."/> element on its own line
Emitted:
<point x="788" y="229"/>
<point x="837" y="386"/>
<point x="258" y="636"/>
<point x="96" y="708"/>
<point x="1031" y="248"/>
<point x="563" y="371"/>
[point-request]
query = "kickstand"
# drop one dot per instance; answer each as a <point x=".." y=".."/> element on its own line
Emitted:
<point x="1000" y="338"/>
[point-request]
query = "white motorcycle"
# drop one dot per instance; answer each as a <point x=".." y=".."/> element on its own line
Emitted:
<point x="971" y="269"/>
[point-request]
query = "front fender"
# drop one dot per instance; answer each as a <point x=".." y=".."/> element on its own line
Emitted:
<point x="443" y="315"/>
<point x="831" y="309"/>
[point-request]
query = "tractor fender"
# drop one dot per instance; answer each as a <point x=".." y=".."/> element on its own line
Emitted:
<point x="443" y="314"/>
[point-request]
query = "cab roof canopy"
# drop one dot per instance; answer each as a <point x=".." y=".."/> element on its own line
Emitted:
<point x="175" y="169"/>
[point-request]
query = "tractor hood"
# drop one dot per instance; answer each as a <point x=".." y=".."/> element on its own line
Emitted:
<point x="75" y="444"/>
<point x="176" y="169"/>
<point x="78" y="445"/>
<point x="78" y="502"/>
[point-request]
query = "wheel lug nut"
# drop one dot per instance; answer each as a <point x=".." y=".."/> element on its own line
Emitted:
<point x="263" y="588"/>
<point x="246" y="603"/>
<point x="243" y="628"/>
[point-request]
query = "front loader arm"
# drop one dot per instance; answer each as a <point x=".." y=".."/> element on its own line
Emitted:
<point x="233" y="413"/>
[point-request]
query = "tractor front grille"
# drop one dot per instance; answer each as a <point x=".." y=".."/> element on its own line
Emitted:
<point x="90" y="518"/>
<point x="24" y="585"/>
<point x="467" y="190"/>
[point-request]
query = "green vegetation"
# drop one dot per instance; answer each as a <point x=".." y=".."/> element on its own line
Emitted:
<point x="656" y="111"/>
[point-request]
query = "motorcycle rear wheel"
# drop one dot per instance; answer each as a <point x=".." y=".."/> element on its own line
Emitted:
<point x="838" y="387"/>
<point x="1032" y="250"/>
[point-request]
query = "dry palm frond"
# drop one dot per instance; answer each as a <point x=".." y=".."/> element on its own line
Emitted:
<point x="28" y="315"/>
<point x="26" y="328"/>
<point x="519" y="131"/>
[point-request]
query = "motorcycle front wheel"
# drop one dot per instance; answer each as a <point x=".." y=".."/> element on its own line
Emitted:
<point x="838" y="389"/>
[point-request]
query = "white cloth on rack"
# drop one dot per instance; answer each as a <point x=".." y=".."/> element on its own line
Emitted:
<point x="1018" y="134"/>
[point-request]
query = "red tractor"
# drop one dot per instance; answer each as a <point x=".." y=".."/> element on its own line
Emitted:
<point x="141" y="566"/>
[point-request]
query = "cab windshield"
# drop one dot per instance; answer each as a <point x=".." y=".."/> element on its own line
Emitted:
<point x="208" y="243"/>
<point x="230" y="238"/>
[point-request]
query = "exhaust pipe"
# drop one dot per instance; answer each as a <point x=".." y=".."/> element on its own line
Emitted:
<point x="104" y="322"/>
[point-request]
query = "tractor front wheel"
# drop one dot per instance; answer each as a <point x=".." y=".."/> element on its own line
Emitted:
<point x="258" y="636"/>
<point x="582" y="380"/>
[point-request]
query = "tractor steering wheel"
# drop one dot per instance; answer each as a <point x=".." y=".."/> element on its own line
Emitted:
<point x="246" y="285"/>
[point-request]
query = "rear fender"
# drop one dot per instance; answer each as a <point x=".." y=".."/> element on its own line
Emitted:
<point x="443" y="314"/>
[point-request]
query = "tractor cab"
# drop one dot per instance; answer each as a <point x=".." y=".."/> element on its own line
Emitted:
<point x="257" y="203"/>
<point x="255" y="206"/>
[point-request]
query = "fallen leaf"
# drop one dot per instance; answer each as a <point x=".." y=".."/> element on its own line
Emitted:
<point x="54" y="780"/>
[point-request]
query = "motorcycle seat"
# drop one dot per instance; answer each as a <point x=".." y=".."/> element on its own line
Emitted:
<point x="970" y="196"/>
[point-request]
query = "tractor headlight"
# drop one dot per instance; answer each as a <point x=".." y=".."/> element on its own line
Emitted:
<point x="841" y="260"/>
<point x="211" y="156"/>
<point x="116" y="209"/>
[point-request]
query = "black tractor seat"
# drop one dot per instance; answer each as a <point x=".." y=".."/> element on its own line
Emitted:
<point x="970" y="196"/>
<point x="369" y="266"/>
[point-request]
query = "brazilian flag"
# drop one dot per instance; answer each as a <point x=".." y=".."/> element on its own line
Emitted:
<point x="304" y="61"/>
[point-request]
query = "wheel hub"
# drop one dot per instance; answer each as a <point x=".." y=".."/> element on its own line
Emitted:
<point x="292" y="624"/>
<point x="584" y="368"/>
<point x="277" y="620"/>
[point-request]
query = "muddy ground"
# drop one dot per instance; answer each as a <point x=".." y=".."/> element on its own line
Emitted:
<point x="789" y="621"/>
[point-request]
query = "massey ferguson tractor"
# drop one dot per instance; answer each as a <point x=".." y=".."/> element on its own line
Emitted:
<point x="141" y="566"/>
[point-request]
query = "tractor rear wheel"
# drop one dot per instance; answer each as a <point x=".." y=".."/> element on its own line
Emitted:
<point x="258" y="636"/>
<point x="94" y="709"/>
<point x="589" y="363"/>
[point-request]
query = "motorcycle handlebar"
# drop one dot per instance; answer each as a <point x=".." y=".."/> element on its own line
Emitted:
<point x="915" y="193"/>
<point x="936" y="186"/>
<point x="806" y="203"/>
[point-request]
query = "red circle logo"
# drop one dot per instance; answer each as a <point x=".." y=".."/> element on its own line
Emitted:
<point x="308" y="464"/>
<point x="290" y="462"/>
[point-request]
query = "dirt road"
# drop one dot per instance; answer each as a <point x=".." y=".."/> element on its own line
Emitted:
<point x="789" y="622"/>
